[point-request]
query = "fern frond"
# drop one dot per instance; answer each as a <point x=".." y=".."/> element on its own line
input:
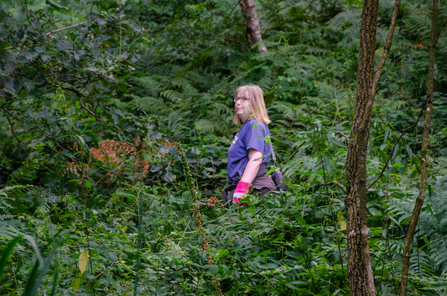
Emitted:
<point x="346" y="18"/>
<point x="171" y="95"/>
<point x="147" y="104"/>
<point x="150" y="84"/>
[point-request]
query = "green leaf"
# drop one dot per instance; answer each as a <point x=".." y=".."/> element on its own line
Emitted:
<point x="271" y="171"/>
<point x="31" y="280"/>
<point x="7" y="251"/>
<point x="74" y="180"/>
<point x="62" y="46"/>
<point x="55" y="275"/>
<point x="267" y="265"/>
<point x="384" y="156"/>
<point x="71" y="214"/>
<point x="34" y="280"/>
<point x="298" y="283"/>
<point x="406" y="220"/>
<point x="77" y="283"/>
<point x="410" y="152"/>
<point x="395" y="151"/>
<point x="55" y="5"/>
<point x="300" y="220"/>
<point x="336" y="142"/>
<point x="327" y="163"/>
<point x="427" y="242"/>
<point x="214" y="269"/>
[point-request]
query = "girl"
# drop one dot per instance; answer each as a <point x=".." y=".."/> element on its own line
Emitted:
<point x="250" y="150"/>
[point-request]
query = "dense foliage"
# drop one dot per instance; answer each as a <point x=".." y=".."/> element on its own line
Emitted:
<point x="114" y="135"/>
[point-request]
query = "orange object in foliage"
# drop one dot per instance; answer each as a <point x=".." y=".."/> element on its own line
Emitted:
<point x="109" y="152"/>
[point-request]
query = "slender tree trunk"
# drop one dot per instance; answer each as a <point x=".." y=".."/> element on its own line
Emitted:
<point x="252" y="25"/>
<point x="424" y="153"/>
<point x="387" y="47"/>
<point x="361" y="281"/>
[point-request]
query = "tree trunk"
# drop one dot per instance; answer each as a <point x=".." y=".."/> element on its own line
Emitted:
<point x="387" y="47"/>
<point x="252" y="26"/>
<point x="360" y="275"/>
<point x="424" y="153"/>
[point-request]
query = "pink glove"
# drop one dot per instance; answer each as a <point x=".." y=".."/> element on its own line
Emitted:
<point x="241" y="189"/>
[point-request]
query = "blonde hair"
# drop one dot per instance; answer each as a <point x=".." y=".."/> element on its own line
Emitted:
<point x="256" y="96"/>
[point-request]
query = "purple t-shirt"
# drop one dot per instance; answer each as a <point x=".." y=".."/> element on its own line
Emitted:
<point x="253" y="134"/>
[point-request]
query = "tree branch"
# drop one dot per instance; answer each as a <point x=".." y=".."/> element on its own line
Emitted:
<point x="49" y="136"/>
<point x="335" y="183"/>
<point x="105" y="270"/>
<point x="341" y="133"/>
<point x="65" y="28"/>
<point x="58" y="30"/>
<point x="437" y="39"/>
<point x="237" y="41"/>
<point x="11" y="125"/>
<point x="79" y="95"/>
<point x="395" y="144"/>
<point x="424" y="154"/>
<point x="386" y="48"/>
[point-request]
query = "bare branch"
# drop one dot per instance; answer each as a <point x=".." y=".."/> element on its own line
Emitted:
<point x="386" y="48"/>
<point x="335" y="183"/>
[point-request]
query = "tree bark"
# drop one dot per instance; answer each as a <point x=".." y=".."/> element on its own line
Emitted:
<point x="387" y="47"/>
<point x="252" y="25"/>
<point x="424" y="153"/>
<point x="361" y="281"/>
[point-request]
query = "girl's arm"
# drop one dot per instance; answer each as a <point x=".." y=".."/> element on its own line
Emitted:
<point x="252" y="168"/>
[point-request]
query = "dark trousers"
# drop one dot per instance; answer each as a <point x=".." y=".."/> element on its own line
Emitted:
<point x="227" y="197"/>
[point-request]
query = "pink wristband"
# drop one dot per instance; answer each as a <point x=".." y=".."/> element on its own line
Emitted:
<point x="242" y="187"/>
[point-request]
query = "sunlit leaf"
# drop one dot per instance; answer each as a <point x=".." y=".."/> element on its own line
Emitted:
<point x="83" y="261"/>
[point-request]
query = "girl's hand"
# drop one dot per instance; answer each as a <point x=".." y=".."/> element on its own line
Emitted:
<point x="241" y="189"/>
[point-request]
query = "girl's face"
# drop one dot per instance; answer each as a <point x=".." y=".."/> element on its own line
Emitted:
<point x="242" y="105"/>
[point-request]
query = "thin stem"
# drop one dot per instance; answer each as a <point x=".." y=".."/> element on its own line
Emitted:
<point x="395" y="144"/>
<point x="138" y="245"/>
<point x="386" y="48"/>
<point x="424" y="155"/>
